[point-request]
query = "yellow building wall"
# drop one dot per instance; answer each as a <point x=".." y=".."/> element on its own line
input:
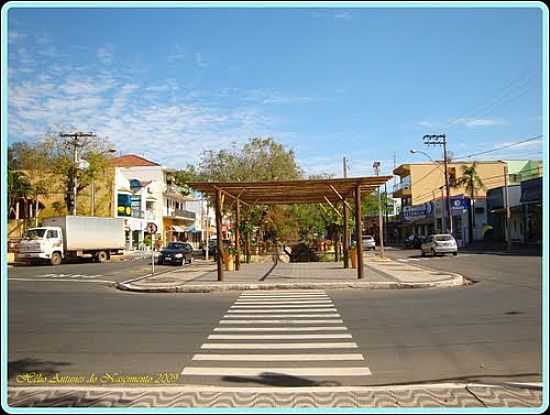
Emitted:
<point x="54" y="203"/>
<point x="426" y="179"/>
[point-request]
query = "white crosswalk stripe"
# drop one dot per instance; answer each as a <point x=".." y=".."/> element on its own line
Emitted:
<point x="280" y="324"/>
<point x="71" y="276"/>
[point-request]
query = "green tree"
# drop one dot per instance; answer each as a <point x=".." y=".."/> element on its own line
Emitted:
<point x="35" y="162"/>
<point x="472" y="183"/>
<point x="260" y="159"/>
<point x="19" y="187"/>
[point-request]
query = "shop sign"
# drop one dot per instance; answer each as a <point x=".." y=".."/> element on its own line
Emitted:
<point x="417" y="212"/>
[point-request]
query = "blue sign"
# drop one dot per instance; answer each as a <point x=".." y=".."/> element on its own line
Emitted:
<point x="417" y="212"/>
<point x="459" y="203"/>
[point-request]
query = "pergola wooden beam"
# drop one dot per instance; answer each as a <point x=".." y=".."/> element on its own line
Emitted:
<point x="224" y="192"/>
<point x="344" y="201"/>
<point x="291" y="192"/>
<point x="333" y="207"/>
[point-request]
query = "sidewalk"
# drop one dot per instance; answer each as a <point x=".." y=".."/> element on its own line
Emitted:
<point x="439" y="395"/>
<point x="201" y="276"/>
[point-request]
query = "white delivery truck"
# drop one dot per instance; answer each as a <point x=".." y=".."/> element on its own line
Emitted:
<point x="63" y="237"/>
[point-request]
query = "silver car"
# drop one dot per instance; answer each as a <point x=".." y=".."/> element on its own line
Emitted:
<point x="368" y="243"/>
<point x="442" y="243"/>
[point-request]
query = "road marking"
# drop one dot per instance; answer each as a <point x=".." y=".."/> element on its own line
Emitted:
<point x="63" y="276"/>
<point x="334" y="321"/>
<point x="58" y="280"/>
<point x="249" y="346"/>
<point x="283" y="306"/>
<point x="291" y="333"/>
<point x="319" y="328"/>
<point x="277" y="292"/>
<point x="290" y="357"/>
<point x="277" y="371"/>
<point x="281" y="315"/>
<point x="285" y="310"/>
<point x="282" y="302"/>
<point x="277" y="336"/>
<point x="282" y="296"/>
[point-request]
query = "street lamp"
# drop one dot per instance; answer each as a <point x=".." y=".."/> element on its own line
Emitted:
<point x="376" y="167"/>
<point x="414" y="151"/>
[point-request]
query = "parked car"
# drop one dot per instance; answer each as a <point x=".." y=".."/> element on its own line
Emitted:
<point x="368" y="242"/>
<point x="213" y="247"/>
<point x="441" y="243"/>
<point x="176" y="253"/>
<point x="414" y="241"/>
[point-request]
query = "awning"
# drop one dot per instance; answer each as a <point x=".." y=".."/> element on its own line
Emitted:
<point x="176" y="228"/>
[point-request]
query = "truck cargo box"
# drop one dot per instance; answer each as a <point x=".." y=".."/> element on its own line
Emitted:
<point x="81" y="233"/>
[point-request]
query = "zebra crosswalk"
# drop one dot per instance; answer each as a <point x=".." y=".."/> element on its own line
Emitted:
<point x="279" y="337"/>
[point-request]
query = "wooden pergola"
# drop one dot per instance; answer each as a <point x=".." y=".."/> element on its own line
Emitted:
<point x="330" y="191"/>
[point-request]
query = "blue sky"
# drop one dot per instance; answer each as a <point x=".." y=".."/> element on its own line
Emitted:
<point x="358" y="82"/>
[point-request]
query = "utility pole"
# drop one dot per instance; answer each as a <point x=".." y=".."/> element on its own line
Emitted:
<point x="74" y="142"/>
<point x="376" y="167"/>
<point x="507" y="203"/>
<point x="386" y="213"/>
<point x="207" y="230"/>
<point x="441" y="140"/>
<point x="346" y="221"/>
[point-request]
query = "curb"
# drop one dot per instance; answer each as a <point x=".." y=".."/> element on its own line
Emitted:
<point x="455" y="280"/>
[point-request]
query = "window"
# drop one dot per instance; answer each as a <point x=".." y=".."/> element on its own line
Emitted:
<point x="124" y="205"/>
<point x="51" y="234"/>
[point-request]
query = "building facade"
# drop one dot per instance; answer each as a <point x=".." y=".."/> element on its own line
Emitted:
<point x="423" y="199"/>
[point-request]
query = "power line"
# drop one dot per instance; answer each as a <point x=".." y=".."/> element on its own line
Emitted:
<point x="502" y="147"/>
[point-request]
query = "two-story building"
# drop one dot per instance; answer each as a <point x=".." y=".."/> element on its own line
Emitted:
<point x="423" y="198"/>
<point x="138" y="197"/>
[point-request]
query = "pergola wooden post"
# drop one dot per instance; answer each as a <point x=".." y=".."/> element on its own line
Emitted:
<point x="238" y="237"/>
<point x="359" y="233"/>
<point x="219" y="236"/>
<point x="346" y="235"/>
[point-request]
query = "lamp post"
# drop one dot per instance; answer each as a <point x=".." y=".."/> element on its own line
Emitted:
<point x="376" y="167"/>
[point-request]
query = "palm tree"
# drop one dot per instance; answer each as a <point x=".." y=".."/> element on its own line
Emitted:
<point x="19" y="187"/>
<point x="471" y="182"/>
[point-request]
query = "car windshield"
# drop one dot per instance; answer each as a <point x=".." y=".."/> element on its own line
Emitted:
<point x="443" y="238"/>
<point x="173" y="245"/>
<point x="368" y="237"/>
<point x="34" y="234"/>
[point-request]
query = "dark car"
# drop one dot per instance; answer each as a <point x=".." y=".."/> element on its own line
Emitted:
<point x="176" y="253"/>
<point x="213" y="247"/>
<point x="414" y="241"/>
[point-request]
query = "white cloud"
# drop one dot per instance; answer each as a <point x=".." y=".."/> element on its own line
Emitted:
<point x="172" y="132"/>
<point x="333" y="14"/>
<point x="14" y="36"/>
<point x="478" y="122"/>
<point x="105" y="55"/>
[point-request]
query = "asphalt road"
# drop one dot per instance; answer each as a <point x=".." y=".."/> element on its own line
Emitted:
<point x="115" y="271"/>
<point x="490" y="330"/>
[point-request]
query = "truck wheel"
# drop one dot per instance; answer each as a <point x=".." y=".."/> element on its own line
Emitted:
<point x="101" y="256"/>
<point x="56" y="258"/>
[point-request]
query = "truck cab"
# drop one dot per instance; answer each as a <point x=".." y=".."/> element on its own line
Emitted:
<point x="41" y="244"/>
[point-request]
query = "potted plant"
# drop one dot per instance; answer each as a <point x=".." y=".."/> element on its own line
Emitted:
<point x="353" y="254"/>
<point x="228" y="258"/>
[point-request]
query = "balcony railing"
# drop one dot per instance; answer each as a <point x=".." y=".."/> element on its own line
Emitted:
<point x="180" y="213"/>
<point x="404" y="184"/>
